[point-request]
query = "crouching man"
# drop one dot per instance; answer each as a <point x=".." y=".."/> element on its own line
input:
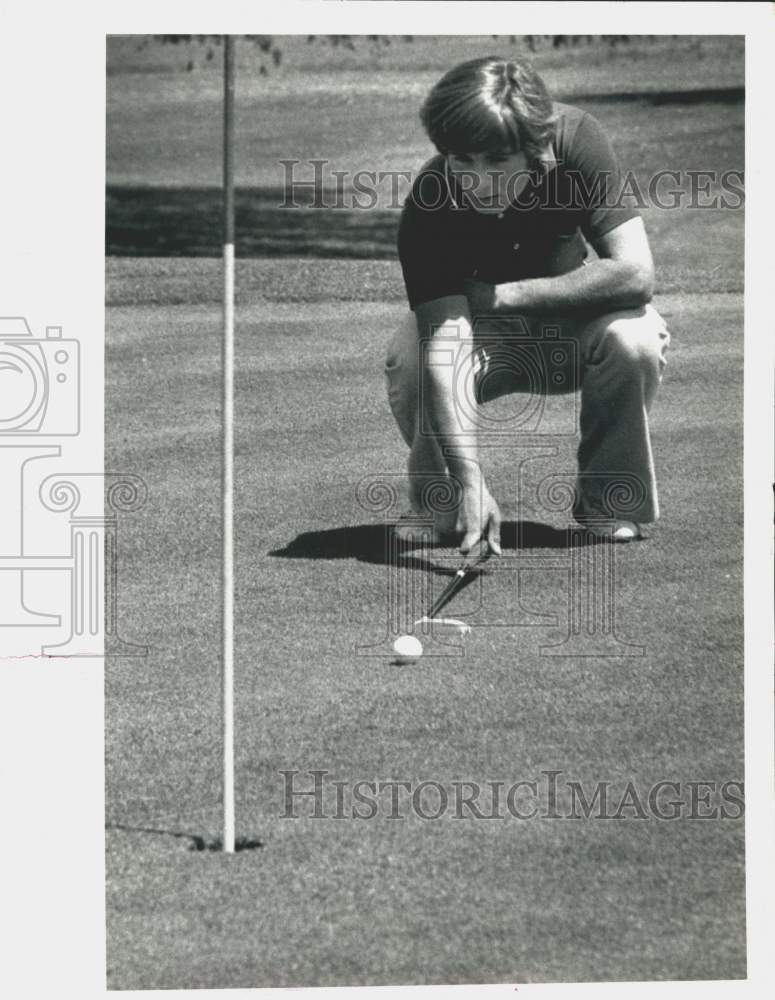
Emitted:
<point x="493" y="243"/>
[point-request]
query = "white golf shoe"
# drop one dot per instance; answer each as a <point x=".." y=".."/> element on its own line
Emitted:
<point x="614" y="531"/>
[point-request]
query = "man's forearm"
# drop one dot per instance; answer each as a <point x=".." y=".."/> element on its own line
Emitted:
<point x="449" y="416"/>
<point x="601" y="284"/>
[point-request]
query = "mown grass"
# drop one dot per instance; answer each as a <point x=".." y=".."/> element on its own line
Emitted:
<point x="375" y="902"/>
<point x="329" y="902"/>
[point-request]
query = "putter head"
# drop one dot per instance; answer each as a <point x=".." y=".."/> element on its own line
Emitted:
<point x="454" y="625"/>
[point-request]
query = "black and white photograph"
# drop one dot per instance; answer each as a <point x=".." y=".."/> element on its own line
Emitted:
<point x="398" y="511"/>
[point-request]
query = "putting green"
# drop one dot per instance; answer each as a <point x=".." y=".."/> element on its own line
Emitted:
<point x="447" y="900"/>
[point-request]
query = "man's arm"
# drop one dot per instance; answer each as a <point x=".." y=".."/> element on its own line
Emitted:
<point x="448" y="412"/>
<point x="622" y="278"/>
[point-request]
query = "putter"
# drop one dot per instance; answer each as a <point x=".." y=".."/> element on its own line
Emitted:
<point x="454" y="585"/>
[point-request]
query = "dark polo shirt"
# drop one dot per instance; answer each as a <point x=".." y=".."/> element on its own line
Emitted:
<point x="442" y="241"/>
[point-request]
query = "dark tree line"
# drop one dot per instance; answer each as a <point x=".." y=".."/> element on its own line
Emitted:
<point x="269" y="46"/>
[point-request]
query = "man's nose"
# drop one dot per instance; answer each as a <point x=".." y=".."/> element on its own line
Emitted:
<point x="489" y="182"/>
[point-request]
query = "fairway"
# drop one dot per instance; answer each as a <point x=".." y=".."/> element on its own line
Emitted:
<point x="323" y="901"/>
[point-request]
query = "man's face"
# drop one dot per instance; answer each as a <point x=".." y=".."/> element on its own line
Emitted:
<point x="489" y="181"/>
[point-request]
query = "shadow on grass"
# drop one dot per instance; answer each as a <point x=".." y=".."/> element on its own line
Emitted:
<point x="196" y="842"/>
<point x="372" y="543"/>
<point x="186" y="222"/>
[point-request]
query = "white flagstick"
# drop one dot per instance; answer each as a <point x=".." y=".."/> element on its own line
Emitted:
<point x="228" y="447"/>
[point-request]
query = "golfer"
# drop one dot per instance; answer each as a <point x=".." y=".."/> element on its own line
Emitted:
<point x="494" y="245"/>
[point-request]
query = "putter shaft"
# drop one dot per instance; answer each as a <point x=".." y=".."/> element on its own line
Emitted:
<point x="454" y="584"/>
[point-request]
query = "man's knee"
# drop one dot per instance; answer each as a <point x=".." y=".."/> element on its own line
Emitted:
<point x="633" y="341"/>
<point x="402" y="349"/>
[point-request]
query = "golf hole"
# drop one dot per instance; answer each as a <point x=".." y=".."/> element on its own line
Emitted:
<point x="240" y="844"/>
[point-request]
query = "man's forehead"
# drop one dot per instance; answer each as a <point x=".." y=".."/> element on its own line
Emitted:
<point x="501" y="153"/>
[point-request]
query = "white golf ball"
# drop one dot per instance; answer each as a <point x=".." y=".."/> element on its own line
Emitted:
<point x="407" y="648"/>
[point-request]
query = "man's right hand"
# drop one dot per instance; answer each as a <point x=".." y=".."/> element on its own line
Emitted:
<point x="479" y="520"/>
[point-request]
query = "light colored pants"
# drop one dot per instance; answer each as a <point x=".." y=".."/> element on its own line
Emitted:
<point x="616" y="360"/>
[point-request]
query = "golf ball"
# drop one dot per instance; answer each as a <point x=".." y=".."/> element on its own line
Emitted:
<point x="407" y="648"/>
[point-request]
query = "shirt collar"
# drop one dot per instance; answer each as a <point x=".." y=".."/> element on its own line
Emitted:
<point x="549" y="158"/>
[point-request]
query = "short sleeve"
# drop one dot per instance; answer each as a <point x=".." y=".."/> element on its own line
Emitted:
<point x="431" y="261"/>
<point x="599" y="180"/>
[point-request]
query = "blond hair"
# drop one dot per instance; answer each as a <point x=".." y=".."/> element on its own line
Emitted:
<point x="490" y="105"/>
